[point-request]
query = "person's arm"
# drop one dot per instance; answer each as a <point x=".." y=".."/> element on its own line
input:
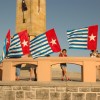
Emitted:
<point x="60" y="55"/>
<point x="98" y="55"/>
<point x="90" y="54"/>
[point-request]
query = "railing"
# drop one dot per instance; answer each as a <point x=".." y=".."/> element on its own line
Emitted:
<point x="87" y="64"/>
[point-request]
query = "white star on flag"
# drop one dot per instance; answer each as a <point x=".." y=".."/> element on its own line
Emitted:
<point x="92" y="37"/>
<point x="53" y="41"/>
<point x="25" y="43"/>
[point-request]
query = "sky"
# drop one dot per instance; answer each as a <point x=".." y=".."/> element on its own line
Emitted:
<point x="62" y="15"/>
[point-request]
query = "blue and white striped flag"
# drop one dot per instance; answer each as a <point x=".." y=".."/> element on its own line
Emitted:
<point x="3" y="52"/>
<point x="19" y="45"/>
<point x="6" y="46"/>
<point x="84" y="38"/>
<point x="77" y="38"/>
<point x="44" y="44"/>
<point x="15" y="49"/>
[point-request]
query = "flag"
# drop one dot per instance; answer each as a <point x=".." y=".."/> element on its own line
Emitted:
<point x="19" y="45"/>
<point x="6" y="46"/>
<point x="24" y="7"/>
<point x="92" y="37"/>
<point x="24" y="40"/>
<point x="8" y="40"/>
<point x="3" y="52"/>
<point x="44" y="44"/>
<point x="84" y="38"/>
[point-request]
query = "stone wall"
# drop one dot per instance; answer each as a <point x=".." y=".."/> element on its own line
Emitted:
<point x="49" y="91"/>
<point x="35" y="17"/>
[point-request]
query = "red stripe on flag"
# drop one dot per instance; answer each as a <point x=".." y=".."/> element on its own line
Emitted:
<point x="92" y="37"/>
<point x="53" y="41"/>
<point x="8" y="40"/>
<point x="24" y="39"/>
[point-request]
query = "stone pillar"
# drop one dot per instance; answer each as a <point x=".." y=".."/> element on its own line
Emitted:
<point x="43" y="71"/>
<point x="35" y="17"/>
<point x="98" y="72"/>
<point x="89" y="71"/>
<point x="8" y="71"/>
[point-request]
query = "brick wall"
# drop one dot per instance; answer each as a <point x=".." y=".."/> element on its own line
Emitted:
<point x="49" y="91"/>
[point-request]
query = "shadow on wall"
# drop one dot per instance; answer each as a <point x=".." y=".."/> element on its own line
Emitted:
<point x="0" y="74"/>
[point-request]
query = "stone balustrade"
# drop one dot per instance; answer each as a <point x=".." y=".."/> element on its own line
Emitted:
<point x="87" y="64"/>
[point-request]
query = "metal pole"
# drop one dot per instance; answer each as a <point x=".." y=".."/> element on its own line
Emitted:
<point x="23" y="18"/>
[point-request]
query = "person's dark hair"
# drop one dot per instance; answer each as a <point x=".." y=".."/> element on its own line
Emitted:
<point x="92" y="50"/>
<point x="64" y="50"/>
<point x="48" y="55"/>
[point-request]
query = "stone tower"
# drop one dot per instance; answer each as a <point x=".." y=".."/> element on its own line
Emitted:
<point x="33" y="19"/>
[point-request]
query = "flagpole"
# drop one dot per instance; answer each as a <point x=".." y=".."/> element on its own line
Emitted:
<point x="38" y="6"/>
<point x="23" y="18"/>
<point x="24" y="8"/>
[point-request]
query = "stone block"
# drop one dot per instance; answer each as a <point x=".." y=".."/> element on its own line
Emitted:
<point x="42" y="94"/>
<point x="17" y="88"/>
<point x="7" y="88"/>
<point x="20" y="94"/>
<point x="98" y="98"/>
<point x="52" y="89"/>
<point x="54" y="96"/>
<point x="1" y="95"/>
<point x="9" y="95"/>
<point x="98" y="93"/>
<point x="66" y="96"/>
<point x="95" y="89"/>
<point x="78" y="96"/>
<point x="33" y="88"/>
<point x="1" y="88"/>
<point x="91" y="96"/>
<point x="20" y="99"/>
<point x="84" y="89"/>
<point x="26" y="88"/>
<point x="61" y="89"/>
<point x="71" y="89"/>
<point x="30" y="95"/>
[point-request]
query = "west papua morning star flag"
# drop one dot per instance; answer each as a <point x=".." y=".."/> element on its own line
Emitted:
<point x="24" y="40"/>
<point x="84" y="38"/>
<point x="3" y="52"/>
<point x="44" y="44"/>
<point x="19" y="45"/>
<point x="92" y="37"/>
<point x="6" y="46"/>
<point x="8" y="40"/>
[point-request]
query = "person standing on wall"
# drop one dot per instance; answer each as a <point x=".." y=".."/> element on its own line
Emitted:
<point x="64" y="65"/>
<point x="94" y="53"/>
